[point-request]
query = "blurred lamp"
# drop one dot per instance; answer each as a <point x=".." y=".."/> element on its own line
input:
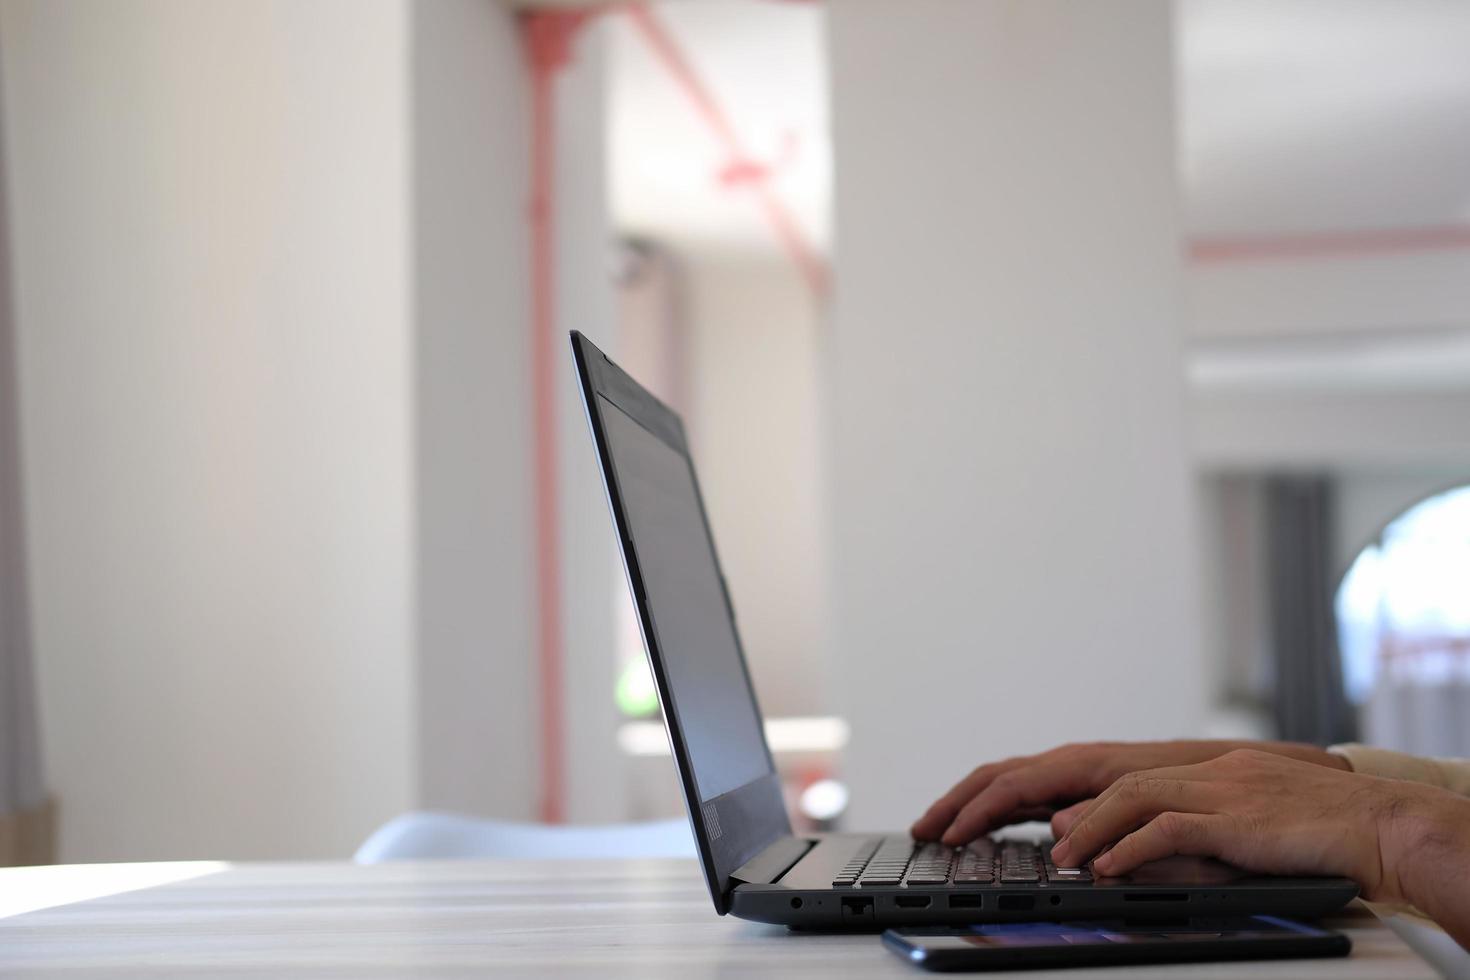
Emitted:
<point x="824" y="800"/>
<point x="635" y="694"/>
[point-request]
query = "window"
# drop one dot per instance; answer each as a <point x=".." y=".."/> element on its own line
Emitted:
<point x="1403" y="614"/>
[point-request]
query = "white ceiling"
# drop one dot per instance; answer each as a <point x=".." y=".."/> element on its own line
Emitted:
<point x="1324" y="115"/>
<point x="1295" y="116"/>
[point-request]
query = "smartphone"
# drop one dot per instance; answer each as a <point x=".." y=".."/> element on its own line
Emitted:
<point x="1022" y="945"/>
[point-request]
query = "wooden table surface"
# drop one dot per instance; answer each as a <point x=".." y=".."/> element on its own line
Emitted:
<point x="473" y="919"/>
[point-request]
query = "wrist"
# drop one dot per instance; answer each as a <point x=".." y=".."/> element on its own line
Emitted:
<point x="1423" y="840"/>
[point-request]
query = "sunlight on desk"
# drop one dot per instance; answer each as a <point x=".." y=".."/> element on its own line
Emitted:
<point x="32" y="889"/>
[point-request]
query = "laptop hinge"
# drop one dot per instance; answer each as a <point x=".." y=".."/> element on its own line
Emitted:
<point x="773" y="862"/>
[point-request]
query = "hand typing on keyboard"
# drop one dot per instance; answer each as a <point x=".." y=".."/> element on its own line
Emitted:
<point x="1053" y="784"/>
<point x="1274" y="808"/>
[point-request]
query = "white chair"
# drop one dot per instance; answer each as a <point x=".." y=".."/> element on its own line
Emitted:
<point x="415" y="836"/>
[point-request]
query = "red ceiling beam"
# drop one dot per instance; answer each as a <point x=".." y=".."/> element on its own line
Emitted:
<point x="1329" y="244"/>
<point x="809" y="262"/>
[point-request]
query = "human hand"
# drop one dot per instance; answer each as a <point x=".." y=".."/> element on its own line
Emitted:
<point x="1402" y="842"/>
<point x="1257" y="811"/>
<point x="1059" y="783"/>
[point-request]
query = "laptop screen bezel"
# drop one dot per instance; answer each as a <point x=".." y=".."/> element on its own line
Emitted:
<point x="734" y="827"/>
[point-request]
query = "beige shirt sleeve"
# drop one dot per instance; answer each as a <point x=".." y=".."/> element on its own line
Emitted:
<point x="1450" y="774"/>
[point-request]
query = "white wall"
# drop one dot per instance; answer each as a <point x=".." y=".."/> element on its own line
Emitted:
<point x="1336" y="360"/>
<point x="592" y="578"/>
<point x="1408" y="427"/>
<point x="210" y="244"/>
<point x="1329" y="294"/>
<point x="273" y="315"/>
<point x="1011" y="560"/>
<point x="473" y="627"/>
<point x="757" y="334"/>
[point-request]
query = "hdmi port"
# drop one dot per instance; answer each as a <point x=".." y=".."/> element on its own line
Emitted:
<point x="912" y="901"/>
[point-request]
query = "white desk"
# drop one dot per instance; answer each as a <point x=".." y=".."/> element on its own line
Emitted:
<point x="481" y="918"/>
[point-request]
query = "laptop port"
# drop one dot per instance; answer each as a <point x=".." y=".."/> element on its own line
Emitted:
<point x="1155" y="897"/>
<point x="966" y="901"/>
<point x="912" y="901"/>
<point x="857" y="910"/>
<point x="1017" y="903"/>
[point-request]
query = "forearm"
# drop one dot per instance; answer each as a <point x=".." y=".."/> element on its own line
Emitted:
<point x="1425" y="856"/>
<point x="1450" y="774"/>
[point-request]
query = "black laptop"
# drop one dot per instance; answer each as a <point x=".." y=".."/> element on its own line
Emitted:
<point x="755" y="866"/>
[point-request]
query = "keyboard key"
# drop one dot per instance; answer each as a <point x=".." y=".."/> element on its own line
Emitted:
<point x="1067" y="874"/>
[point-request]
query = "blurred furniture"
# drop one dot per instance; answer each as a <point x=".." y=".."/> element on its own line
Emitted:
<point x="645" y="919"/>
<point x="417" y="836"/>
<point x="28" y="836"/>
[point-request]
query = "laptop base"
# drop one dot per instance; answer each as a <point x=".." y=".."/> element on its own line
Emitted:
<point x="1176" y="888"/>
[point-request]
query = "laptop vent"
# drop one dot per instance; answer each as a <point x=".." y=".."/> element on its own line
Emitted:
<point x="712" y="821"/>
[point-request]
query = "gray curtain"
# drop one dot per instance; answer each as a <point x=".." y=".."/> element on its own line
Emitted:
<point x="25" y="829"/>
<point x="1310" y="702"/>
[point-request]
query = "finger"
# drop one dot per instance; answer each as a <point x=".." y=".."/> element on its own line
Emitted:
<point x="1019" y="790"/>
<point x="1169" y="833"/>
<point x="942" y="813"/>
<point x="1063" y="820"/>
<point x="1198" y="772"/>
<point x="1129" y="803"/>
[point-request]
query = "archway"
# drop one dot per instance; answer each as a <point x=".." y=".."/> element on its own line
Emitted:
<point x="1403" y="619"/>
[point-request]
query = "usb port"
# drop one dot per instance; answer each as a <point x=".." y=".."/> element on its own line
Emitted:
<point x="966" y="901"/>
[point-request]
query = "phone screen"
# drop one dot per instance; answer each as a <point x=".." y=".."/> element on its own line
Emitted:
<point x="1097" y="933"/>
<point x="1096" y="941"/>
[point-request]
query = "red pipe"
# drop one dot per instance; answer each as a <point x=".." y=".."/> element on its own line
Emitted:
<point x="547" y="36"/>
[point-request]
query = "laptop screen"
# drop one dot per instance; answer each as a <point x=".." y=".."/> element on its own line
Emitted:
<point x="693" y="627"/>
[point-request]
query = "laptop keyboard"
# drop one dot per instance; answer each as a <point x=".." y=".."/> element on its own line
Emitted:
<point x="900" y="861"/>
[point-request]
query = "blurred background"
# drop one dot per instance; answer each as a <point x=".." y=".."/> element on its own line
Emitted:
<point x="1054" y="371"/>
